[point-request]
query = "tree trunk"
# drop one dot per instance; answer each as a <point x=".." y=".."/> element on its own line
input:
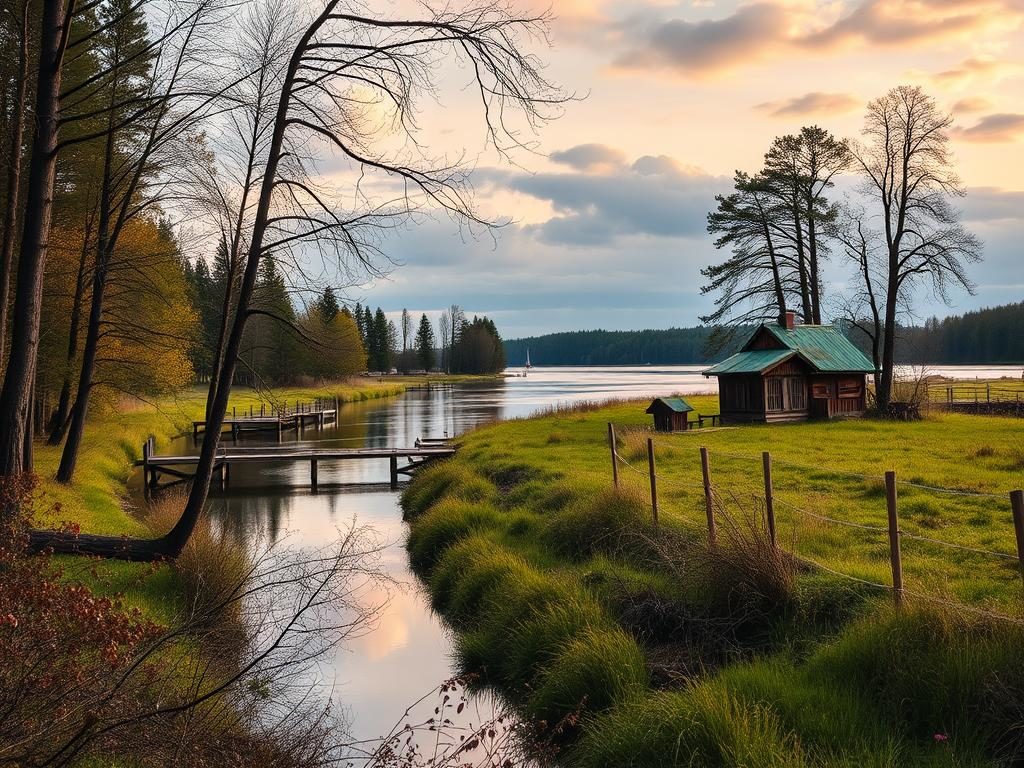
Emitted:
<point x="884" y="393"/>
<point x="61" y="419"/>
<point x="69" y="457"/>
<point x="104" y="246"/>
<point x="15" y="398"/>
<point x="13" y="183"/>
<point x="812" y="249"/>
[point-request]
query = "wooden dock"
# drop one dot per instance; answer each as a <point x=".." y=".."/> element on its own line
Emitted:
<point x="177" y="467"/>
<point x="277" y="420"/>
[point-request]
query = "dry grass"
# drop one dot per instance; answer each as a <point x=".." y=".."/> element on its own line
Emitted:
<point x="212" y="568"/>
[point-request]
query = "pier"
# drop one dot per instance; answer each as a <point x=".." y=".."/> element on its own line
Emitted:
<point x="275" y="419"/>
<point x="177" y="467"/>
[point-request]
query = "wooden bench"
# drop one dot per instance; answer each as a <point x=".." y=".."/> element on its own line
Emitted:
<point x="715" y="419"/>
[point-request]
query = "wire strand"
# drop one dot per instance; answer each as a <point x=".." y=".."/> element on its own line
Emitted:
<point x="849" y="523"/>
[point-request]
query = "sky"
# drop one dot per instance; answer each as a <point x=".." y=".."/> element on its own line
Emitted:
<point x="605" y="218"/>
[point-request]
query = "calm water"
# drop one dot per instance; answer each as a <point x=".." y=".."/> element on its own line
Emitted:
<point x="410" y="651"/>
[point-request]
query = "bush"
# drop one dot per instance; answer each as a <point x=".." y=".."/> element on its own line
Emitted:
<point x="592" y="671"/>
<point x="700" y="726"/>
<point x="212" y="568"/>
<point x="613" y="522"/>
<point x="447" y="522"/>
<point x="446" y="479"/>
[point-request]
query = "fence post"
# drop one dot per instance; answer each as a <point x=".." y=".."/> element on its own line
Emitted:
<point x="769" y="497"/>
<point x="611" y="444"/>
<point x="894" y="539"/>
<point x="1017" y="505"/>
<point x="654" y="478"/>
<point x="988" y="393"/>
<point x="709" y="502"/>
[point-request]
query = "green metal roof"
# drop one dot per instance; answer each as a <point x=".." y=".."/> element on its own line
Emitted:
<point x="677" y="404"/>
<point x="823" y="347"/>
<point x="754" y="361"/>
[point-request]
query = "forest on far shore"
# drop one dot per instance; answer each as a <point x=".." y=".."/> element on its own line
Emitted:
<point x="986" y="336"/>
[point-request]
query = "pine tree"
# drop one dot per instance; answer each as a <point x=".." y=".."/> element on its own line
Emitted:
<point x="327" y="306"/>
<point x="425" y="343"/>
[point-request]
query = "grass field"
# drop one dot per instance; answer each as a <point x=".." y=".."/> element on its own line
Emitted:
<point x="651" y="649"/>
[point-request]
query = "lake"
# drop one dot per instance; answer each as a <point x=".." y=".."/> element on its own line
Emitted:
<point x="409" y="651"/>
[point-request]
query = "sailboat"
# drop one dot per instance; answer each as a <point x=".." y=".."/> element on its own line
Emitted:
<point x="528" y="365"/>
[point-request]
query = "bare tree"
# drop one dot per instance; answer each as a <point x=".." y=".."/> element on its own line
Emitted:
<point x="443" y="329"/>
<point x="909" y="184"/>
<point x="337" y="63"/>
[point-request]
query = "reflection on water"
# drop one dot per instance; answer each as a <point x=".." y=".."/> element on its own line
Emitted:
<point x="409" y="652"/>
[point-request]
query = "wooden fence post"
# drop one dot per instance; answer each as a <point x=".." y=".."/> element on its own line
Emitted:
<point x="313" y="473"/>
<point x="709" y="502"/>
<point x="394" y="472"/>
<point x="769" y="497"/>
<point x="894" y="539"/>
<point x="1017" y="505"/>
<point x="615" y="463"/>
<point x="654" y="478"/>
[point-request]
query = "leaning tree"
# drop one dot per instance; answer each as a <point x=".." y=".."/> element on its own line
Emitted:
<point x="338" y="76"/>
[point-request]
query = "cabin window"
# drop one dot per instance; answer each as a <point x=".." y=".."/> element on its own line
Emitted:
<point x="775" y="400"/>
<point x="795" y="393"/>
<point x="849" y="388"/>
<point x="822" y="391"/>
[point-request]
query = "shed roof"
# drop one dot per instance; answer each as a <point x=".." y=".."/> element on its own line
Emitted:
<point x="823" y="347"/>
<point x="677" y="404"/>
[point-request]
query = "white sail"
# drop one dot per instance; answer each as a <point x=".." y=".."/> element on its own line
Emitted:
<point x="528" y="366"/>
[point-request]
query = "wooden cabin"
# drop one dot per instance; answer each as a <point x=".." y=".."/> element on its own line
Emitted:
<point x="671" y="414"/>
<point x="792" y="372"/>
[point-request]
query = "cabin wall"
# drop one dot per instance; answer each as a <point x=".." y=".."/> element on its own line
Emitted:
<point x="741" y="398"/>
<point x="838" y="395"/>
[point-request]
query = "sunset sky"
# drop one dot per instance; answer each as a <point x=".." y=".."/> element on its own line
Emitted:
<point x="609" y="215"/>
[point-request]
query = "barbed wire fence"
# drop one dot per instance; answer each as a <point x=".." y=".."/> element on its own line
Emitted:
<point x="892" y="533"/>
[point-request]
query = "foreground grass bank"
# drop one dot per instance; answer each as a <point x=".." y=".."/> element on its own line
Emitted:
<point x="638" y="645"/>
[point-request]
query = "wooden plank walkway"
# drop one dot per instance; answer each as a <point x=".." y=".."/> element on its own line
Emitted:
<point x="277" y="422"/>
<point x="174" y="466"/>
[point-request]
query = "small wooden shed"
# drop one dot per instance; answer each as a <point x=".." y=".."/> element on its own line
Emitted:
<point x="671" y="414"/>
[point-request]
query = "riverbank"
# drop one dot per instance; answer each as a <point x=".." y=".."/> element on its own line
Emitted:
<point x="97" y="501"/>
<point x="636" y="644"/>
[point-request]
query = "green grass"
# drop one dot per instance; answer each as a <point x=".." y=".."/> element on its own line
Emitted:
<point x="565" y="596"/>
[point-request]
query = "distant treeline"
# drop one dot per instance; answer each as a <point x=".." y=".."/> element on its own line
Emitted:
<point x="675" y="346"/>
<point x="983" y="336"/>
<point x="994" y="335"/>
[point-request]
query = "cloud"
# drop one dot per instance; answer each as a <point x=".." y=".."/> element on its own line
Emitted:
<point x="989" y="204"/>
<point x="975" y="69"/>
<point x="812" y="103"/>
<point x="653" y="197"/>
<point x="695" y="46"/>
<point x="590" y="157"/>
<point x="995" y="128"/>
<point x="899" y="22"/>
<point x="774" y="28"/>
<point x="972" y="104"/>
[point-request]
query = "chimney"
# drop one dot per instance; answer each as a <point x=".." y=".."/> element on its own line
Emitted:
<point x="790" y="320"/>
